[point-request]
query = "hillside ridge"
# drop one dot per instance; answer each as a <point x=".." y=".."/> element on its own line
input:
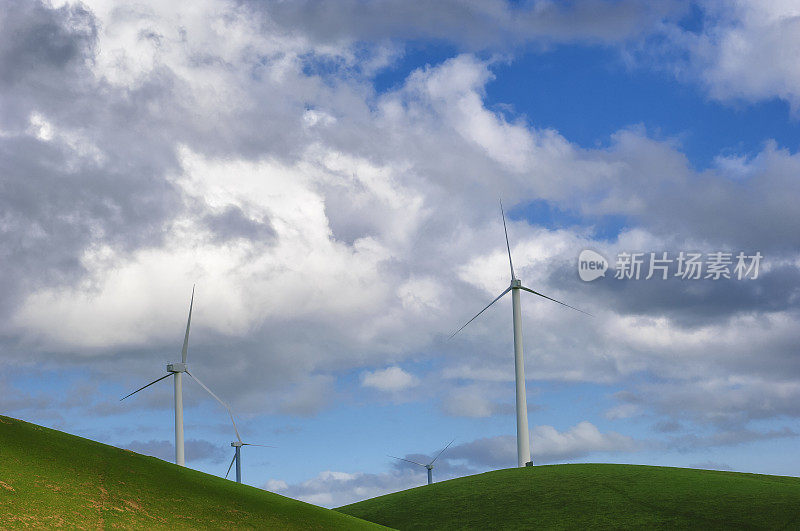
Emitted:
<point x="50" y="478"/>
<point x="578" y="496"/>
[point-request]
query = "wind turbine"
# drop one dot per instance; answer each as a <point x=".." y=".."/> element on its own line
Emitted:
<point x="176" y="370"/>
<point x="237" y="457"/>
<point x="523" y="436"/>
<point x="429" y="466"/>
<point x="237" y="444"/>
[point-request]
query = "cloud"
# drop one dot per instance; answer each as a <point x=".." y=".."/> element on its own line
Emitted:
<point x="466" y="402"/>
<point x="489" y="24"/>
<point x="334" y="489"/>
<point x="742" y="51"/>
<point x="749" y="52"/>
<point x="548" y="445"/>
<point x="667" y="426"/>
<point x="196" y="450"/>
<point x="231" y="222"/>
<point x="623" y="411"/>
<point x="390" y="379"/>
<point x="727" y="437"/>
<point x="580" y="440"/>
<point x="38" y="41"/>
<point x="66" y="189"/>
<point x="480" y="399"/>
<point x="721" y="402"/>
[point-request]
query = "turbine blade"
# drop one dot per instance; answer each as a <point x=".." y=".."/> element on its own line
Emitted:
<point x="230" y="466"/>
<point x="480" y="312"/>
<point x="440" y="453"/>
<point x="552" y="299"/>
<point x="185" y="349"/>
<point x="508" y="247"/>
<point x="261" y="445"/>
<point x="406" y="460"/>
<point x="220" y="401"/>
<point x="145" y="387"/>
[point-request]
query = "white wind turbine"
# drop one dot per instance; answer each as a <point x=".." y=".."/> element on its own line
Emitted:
<point x="175" y="370"/>
<point x="523" y="436"/>
<point x="429" y="466"/>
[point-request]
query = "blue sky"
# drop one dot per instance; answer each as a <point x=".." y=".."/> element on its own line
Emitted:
<point x="587" y="93"/>
<point x="328" y="177"/>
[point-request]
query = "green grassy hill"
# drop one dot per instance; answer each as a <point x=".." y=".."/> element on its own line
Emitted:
<point x="592" y="496"/>
<point x="52" y="479"/>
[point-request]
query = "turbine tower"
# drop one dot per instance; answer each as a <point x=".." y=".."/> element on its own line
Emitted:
<point x="176" y="370"/>
<point x="429" y="466"/>
<point x="523" y="436"/>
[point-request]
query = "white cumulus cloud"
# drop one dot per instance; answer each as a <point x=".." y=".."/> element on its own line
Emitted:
<point x="389" y="379"/>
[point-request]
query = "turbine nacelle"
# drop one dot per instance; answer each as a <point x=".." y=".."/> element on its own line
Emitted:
<point x="177" y="367"/>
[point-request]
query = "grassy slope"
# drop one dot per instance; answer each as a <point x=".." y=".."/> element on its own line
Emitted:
<point x="49" y="478"/>
<point x="592" y="495"/>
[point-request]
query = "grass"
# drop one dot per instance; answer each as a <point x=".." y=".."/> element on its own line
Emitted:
<point x="52" y="479"/>
<point x="585" y="496"/>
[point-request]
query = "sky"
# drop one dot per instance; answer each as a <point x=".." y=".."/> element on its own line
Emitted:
<point x="328" y="176"/>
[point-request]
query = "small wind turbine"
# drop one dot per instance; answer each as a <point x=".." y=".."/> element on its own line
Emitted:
<point x="429" y="466"/>
<point x="237" y="444"/>
<point x="523" y="437"/>
<point x="237" y="457"/>
<point x="176" y="370"/>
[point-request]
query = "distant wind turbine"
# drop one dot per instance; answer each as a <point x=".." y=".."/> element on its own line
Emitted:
<point x="429" y="466"/>
<point x="176" y="370"/>
<point x="523" y="436"/>
<point x="237" y="457"/>
<point x="237" y="444"/>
